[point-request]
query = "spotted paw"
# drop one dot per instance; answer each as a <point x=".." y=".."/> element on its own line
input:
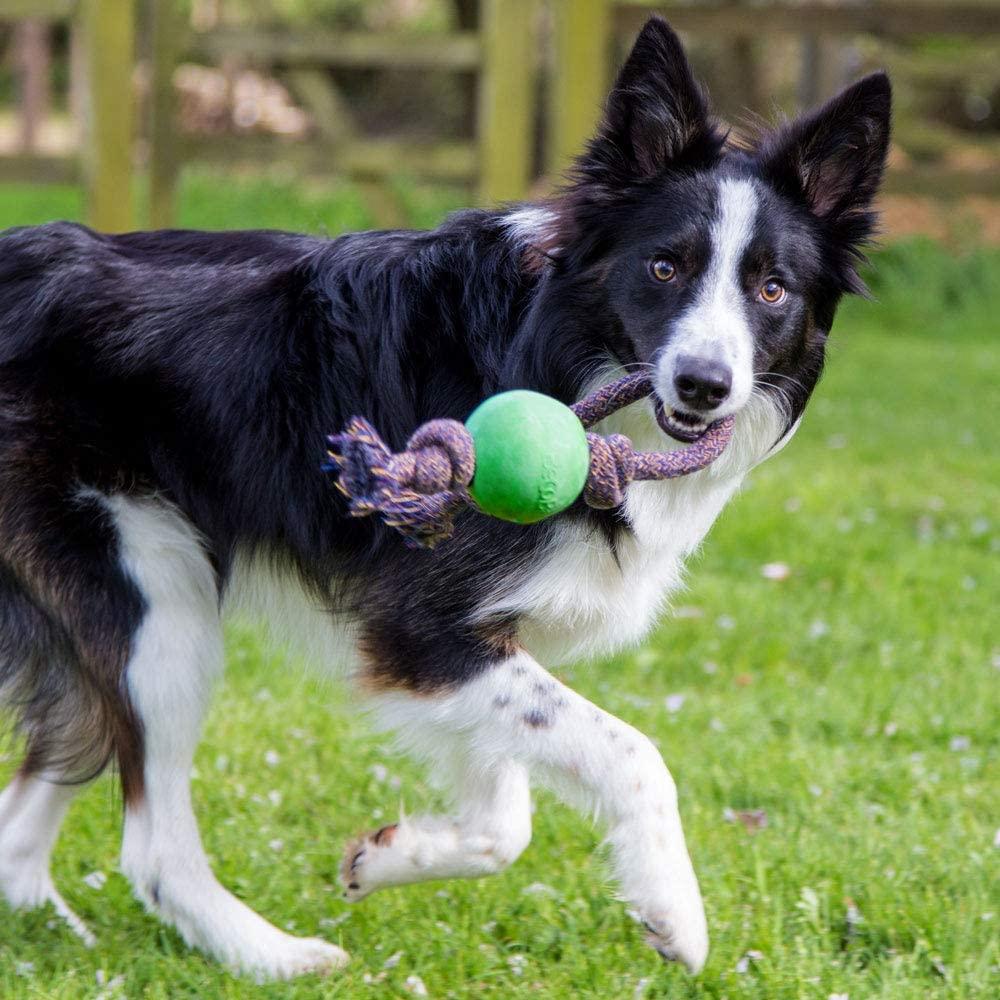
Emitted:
<point x="356" y="868"/>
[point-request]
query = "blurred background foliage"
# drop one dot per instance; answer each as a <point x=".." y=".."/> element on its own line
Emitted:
<point x="483" y="99"/>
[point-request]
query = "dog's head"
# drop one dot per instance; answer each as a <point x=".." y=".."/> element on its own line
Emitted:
<point x="717" y="267"/>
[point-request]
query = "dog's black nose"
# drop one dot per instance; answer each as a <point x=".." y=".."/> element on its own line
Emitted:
<point x="703" y="384"/>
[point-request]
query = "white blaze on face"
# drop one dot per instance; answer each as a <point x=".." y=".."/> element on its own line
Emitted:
<point x="715" y="327"/>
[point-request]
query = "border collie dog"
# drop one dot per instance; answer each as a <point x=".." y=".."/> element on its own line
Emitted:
<point x="164" y="403"/>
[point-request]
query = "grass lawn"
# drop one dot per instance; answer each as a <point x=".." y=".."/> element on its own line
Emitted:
<point x="854" y="701"/>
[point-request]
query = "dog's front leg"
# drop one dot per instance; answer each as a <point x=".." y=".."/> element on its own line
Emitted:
<point x="515" y="710"/>
<point x="490" y="827"/>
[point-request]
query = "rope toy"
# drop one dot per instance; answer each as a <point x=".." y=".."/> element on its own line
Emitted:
<point x="521" y="456"/>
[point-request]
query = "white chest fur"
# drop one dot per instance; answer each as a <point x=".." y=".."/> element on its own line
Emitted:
<point x="586" y="600"/>
<point x="583" y="599"/>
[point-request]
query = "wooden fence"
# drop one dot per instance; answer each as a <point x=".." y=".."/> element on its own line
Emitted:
<point x="106" y="32"/>
<point x="723" y="19"/>
<point x="504" y="54"/>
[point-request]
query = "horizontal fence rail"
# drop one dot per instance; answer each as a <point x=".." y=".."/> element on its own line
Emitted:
<point x="49" y="10"/>
<point x="454" y="161"/>
<point x="459" y="51"/>
<point x="895" y="20"/>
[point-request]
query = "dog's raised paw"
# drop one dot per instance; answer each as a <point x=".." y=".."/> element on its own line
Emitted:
<point x="353" y="855"/>
<point x="355" y="874"/>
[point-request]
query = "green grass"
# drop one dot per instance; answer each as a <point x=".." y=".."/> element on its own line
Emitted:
<point x="856" y="702"/>
<point x="209" y="201"/>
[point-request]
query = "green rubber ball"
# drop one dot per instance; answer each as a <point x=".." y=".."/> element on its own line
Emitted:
<point x="532" y="456"/>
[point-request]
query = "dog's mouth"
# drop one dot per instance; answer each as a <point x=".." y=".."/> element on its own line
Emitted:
<point x="686" y="427"/>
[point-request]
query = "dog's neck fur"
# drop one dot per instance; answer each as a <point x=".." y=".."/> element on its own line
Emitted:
<point x="598" y="591"/>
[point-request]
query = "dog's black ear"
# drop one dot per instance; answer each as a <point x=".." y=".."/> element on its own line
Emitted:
<point x="833" y="158"/>
<point x="656" y="116"/>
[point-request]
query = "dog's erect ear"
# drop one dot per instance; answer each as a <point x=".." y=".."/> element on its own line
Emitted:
<point x="656" y="116"/>
<point x="833" y="158"/>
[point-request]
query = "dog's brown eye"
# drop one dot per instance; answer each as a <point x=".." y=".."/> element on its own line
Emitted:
<point x="663" y="269"/>
<point x="772" y="292"/>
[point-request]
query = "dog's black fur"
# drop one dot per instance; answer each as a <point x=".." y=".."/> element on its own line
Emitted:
<point x="207" y="368"/>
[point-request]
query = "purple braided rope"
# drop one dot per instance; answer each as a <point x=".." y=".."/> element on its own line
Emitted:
<point x="614" y="463"/>
<point x="421" y="490"/>
<point x="418" y="491"/>
<point x="612" y="397"/>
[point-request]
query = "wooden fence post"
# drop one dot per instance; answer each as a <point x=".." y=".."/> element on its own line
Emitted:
<point x="579" y="77"/>
<point x="31" y="45"/>
<point x="165" y="30"/>
<point x="110" y="45"/>
<point x="506" y="99"/>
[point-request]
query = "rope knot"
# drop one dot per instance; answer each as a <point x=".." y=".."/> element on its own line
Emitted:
<point x="612" y="468"/>
<point x="417" y="491"/>
<point x="444" y="457"/>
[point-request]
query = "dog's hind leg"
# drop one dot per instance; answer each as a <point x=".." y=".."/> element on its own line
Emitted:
<point x="176" y="655"/>
<point x="488" y="831"/>
<point x="32" y="808"/>
<point x="65" y="615"/>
